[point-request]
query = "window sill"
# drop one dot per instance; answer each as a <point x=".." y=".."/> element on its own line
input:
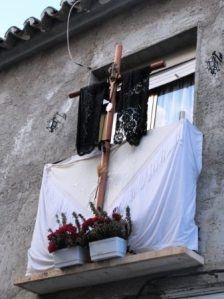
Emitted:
<point x="152" y="262"/>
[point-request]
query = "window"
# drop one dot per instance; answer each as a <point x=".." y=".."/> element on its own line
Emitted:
<point x="171" y="91"/>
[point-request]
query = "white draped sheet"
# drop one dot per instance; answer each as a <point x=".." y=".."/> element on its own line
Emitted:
<point x="157" y="180"/>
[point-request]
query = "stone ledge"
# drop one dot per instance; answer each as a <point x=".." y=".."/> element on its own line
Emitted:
<point x="146" y="263"/>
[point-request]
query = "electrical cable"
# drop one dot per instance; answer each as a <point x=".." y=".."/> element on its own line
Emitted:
<point x="68" y="42"/>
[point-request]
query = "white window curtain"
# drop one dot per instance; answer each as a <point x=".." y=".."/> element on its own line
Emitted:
<point x="173" y="98"/>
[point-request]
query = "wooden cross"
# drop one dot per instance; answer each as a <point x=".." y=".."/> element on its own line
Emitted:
<point x="108" y="123"/>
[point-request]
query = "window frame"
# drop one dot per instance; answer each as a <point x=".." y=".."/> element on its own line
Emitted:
<point x="163" y="78"/>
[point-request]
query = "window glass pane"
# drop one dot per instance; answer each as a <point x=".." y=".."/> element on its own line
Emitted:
<point x="173" y="98"/>
<point x="151" y="113"/>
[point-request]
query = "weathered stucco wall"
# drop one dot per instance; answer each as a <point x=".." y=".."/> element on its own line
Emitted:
<point x="33" y="90"/>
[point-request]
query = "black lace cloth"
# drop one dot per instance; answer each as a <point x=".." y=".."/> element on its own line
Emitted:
<point x="132" y="103"/>
<point x="90" y="107"/>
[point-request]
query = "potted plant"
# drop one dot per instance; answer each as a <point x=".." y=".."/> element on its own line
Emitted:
<point x="68" y="244"/>
<point x="107" y="235"/>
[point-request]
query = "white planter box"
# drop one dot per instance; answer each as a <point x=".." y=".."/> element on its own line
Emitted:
<point x="70" y="256"/>
<point x="107" y="248"/>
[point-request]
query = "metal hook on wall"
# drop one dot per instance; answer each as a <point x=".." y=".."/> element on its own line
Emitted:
<point x="55" y="121"/>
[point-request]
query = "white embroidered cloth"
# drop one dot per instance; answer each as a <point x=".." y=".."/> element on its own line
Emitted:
<point x="157" y="180"/>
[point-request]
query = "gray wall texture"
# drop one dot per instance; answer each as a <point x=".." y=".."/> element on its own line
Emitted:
<point x="33" y="90"/>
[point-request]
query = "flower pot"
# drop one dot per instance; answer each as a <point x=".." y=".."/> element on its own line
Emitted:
<point x="107" y="248"/>
<point x="70" y="256"/>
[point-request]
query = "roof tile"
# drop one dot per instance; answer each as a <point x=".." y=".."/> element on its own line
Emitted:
<point x="32" y="26"/>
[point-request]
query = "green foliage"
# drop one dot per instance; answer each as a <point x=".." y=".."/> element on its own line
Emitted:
<point x="102" y="226"/>
<point x="99" y="227"/>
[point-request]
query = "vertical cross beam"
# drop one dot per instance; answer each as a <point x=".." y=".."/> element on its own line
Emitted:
<point x="104" y="163"/>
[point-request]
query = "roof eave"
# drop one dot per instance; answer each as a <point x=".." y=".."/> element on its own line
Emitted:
<point x="79" y="23"/>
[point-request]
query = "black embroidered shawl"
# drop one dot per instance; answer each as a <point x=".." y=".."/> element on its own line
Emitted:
<point x="131" y="107"/>
<point x="90" y="105"/>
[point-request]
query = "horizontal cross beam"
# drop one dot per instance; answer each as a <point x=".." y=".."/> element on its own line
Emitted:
<point x="153" y="67"/>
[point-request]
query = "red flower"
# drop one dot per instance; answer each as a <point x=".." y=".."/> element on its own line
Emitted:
<point x="66" y="228"/>
<point x="63" y="230"/>
<point x="116" y="216"/>
<point x="51" y="236"/>
<point x="52" y="247"/>
<point x="93" y="221"/>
